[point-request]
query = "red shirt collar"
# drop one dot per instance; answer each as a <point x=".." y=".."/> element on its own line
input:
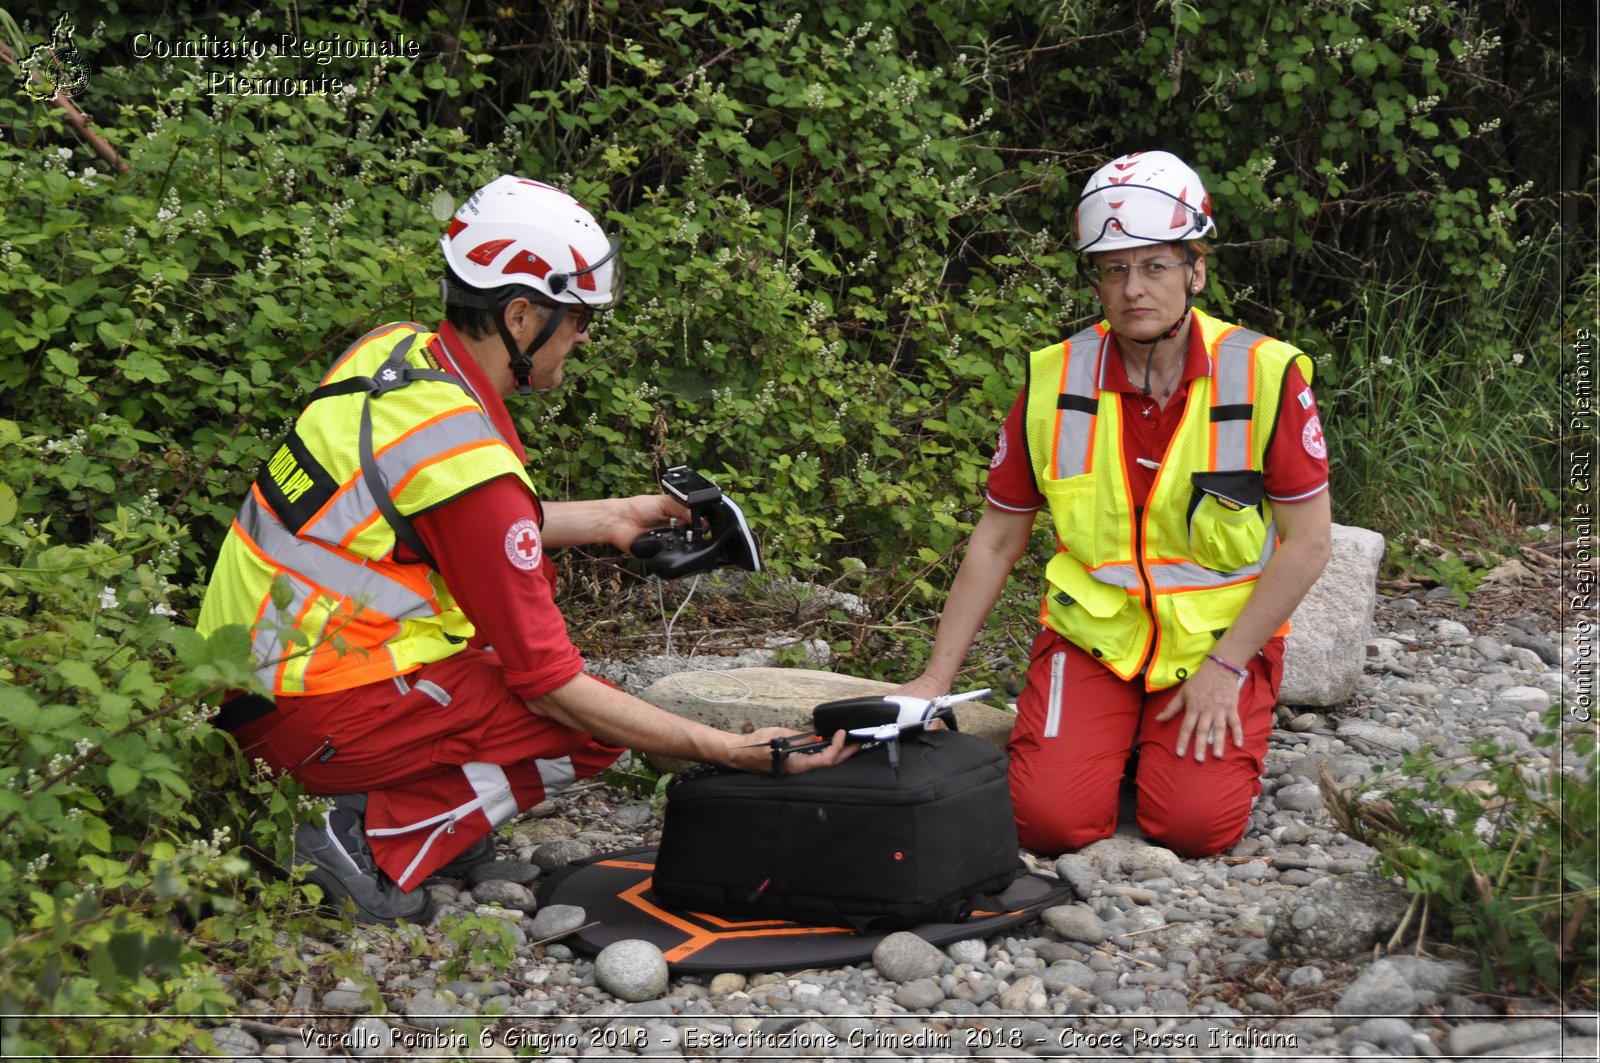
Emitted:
<point x="1114" y="374"/>
<point x="451" y="353"/>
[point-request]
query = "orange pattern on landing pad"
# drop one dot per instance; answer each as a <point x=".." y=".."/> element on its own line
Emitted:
<point x="700" y="936"/>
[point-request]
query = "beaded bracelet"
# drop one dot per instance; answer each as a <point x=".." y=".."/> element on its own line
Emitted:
<point x="1239" y="673"/>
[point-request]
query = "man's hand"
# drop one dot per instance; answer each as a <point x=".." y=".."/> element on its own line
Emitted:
<point x="641" y="513"/>
<point x="1209" y="701"/>
<point x="617" y="521"/>
<point x="754" y="753"/>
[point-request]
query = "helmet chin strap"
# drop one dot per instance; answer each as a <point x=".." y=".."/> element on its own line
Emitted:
<point x="1150" y="355"/>
<point x="522" y="360"/>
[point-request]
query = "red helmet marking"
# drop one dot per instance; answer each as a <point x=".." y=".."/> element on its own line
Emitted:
<point x="1116" y="205"/>
<point x="1180" y="213"/>
<point x="456" y="225"/>
<point x="527" y="262"/>
<point x="484" y="254"/>
<point x="585" y="280"/>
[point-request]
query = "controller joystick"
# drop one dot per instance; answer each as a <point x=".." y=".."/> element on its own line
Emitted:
<point x="715" y="535"/>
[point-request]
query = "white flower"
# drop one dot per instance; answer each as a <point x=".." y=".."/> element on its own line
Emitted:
<point x="1517" y="359"/>
<point x="108" y="598"/>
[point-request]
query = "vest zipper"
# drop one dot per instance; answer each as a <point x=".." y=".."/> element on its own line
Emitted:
<point x="1149" y="594"/>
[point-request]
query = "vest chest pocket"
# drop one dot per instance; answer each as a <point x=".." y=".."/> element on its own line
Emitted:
<point x="1226" y="529"/>
<point x="1072" y="508"/>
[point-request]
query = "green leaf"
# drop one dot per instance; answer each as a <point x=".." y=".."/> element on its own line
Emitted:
<point x="122" y="778"/>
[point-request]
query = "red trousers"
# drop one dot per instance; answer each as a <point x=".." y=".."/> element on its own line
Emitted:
<point x="444" y="755"/>
<point x="1076" y="724"/>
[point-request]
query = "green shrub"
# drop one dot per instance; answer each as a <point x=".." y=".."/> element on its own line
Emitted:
<point x="1501" y="849"/>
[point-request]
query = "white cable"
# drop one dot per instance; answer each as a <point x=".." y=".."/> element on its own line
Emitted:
<point x="670" y="623"/>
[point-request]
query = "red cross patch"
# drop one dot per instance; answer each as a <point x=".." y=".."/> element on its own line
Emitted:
<point x="523" y="545"/>
<point x="1311" y="438"/>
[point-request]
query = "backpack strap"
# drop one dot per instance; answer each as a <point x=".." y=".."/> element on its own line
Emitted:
<point x="395" y="373"/>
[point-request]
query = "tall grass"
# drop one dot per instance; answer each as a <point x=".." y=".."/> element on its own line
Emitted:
<point x="1442" y="404"/>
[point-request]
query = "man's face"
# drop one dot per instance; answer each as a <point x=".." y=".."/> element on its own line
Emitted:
<point x="549" y="361"/>
<point x="1143" y="289"/>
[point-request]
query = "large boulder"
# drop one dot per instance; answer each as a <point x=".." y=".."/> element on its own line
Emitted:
<point x="1327" y="644"/>
<point x="747" y="699"/>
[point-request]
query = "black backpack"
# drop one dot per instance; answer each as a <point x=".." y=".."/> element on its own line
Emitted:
<point x="867" y="843"/>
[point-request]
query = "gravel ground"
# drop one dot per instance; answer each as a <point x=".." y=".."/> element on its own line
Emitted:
<point x="1156" y="958"/>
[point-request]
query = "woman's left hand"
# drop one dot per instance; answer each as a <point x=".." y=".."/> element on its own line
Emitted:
<point x="1209" y="701"/>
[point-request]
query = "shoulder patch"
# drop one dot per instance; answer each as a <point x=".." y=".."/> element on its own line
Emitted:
<point x="1311" y="438"/>
<point x="999" y="450"/>
<point x="524" y="546"/>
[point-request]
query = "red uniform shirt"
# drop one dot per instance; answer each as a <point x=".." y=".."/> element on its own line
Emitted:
<point x="1296" y="462"/>
<point x="488" y="546"/>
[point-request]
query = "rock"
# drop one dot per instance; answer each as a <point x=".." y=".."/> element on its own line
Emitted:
<point x="557" y="853"/>
<point x="556" y="919"/>
<point x="747" y="699"/>
<point x="918" y="994"/>
<point x="348" y="997"/>
<point x="1298" y="797"/>
<point x="1077" y="872"/>
<point x="369" y="1038"/>
<point x="904" y="957"/>
<point x="433" y="1011"/>
<point x="1524" y="699"/>
<point x="1067" y="974"/>
<point x="502" y="870"/>
<point x="506" y="894"/>
<point x="971" y="951"/>
<point x="726" y="983"/>
<point x="631" y="970"/>
<point x="1151" y="858"/>
<point x="1378" y="991"/>
<point x="1326" y="648"/>
<point x="232" y="1042"/>
<point x="1338" y="917"/>
<point x="1076" y="922"/>
<point x="1384" y="738"/>
<point x="1513" y="1040"/>
<point x="1547" y="650"/>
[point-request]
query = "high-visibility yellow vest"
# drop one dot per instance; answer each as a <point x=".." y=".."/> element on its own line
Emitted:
<point x="328" y="525"/>
<point x="1149" y="585"/>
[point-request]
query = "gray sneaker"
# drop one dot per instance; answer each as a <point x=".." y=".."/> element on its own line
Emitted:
<point x="342" y="865"/>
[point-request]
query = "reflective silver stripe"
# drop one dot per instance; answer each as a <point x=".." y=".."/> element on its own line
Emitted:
<point x="556" y="775"/>
<point x="1073" y="425"/>
<point x="1233" y="389"/>
<point x="492" y="797"/>
<point x="433" y="690"/>
<point x="1058" y="676"/>
<point x="489" y="782"/>
<point x="264" y="642"/>
<point x="321" y="566"/>
<point x="1182" y="574"/>
<point x="353" y="507"/>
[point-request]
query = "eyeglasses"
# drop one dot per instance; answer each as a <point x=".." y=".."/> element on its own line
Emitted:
<point x="1153" y="270"/>
<point x="580" y="316"/>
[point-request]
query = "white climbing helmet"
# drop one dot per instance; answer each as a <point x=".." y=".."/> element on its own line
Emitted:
<point x="1143" y="198"/>
<point x="514" y="231"/>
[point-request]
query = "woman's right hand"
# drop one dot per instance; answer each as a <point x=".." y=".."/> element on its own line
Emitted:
<point x="923" y="687"/>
